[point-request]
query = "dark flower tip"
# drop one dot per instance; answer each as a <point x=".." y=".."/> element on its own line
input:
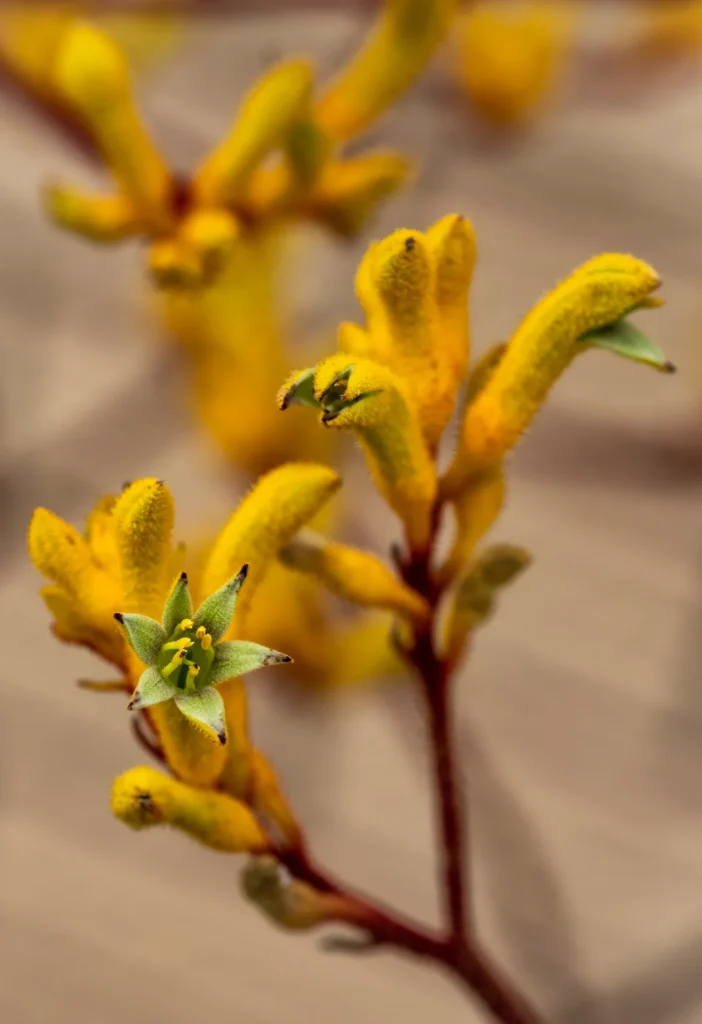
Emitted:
<point x="184" y="577"/>
<point x="669" y="367"/>
<point x="286" y="657"/>
<point x="222" y="737"/>
<point x="409" y="244"/>
<point x="244" y="571"/>
<point x="119" y="617"/>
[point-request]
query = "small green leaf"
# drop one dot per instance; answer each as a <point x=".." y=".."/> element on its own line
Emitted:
<point x="625" y="339"/>
<point x="179" y="605"/>
<point x="145" y="635"/>
<point x="151" y="689"/>
<point x="239" y="656"/>
<point x="205" y="708"/>
<point x="501" y="563"/>
<point x="216" y="611"/>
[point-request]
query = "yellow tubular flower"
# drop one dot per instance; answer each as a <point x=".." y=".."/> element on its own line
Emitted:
<point x="511" y="55"/>
<point x="84" y="595"/>
<point x="396" y="51"/>
<point x="270" y="515"/>
<point x="597" y="294"/>
<point x="413" y="288"/>
<point x="355" y="575"/>
<point x="143" y="797"/>
<point x="236" y="772"/>
<point x="100" y="218"/>
<point x="276" y="101"/>
<point x="91" y="73"/>
<point x="369" y="399"/>
<point x="347" y="192"/>
<point x="191" y="754"/>
<point x="143" y="517"/>
<point x="268" y="800"/>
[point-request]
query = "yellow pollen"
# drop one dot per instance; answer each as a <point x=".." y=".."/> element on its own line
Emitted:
<point x="194" y="670"/>
<point x="200" y="632"/>
<point x="206" y="642"/>
<point x="185" y="624"/>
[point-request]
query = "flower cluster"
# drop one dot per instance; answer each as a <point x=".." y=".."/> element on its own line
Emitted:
<point x="280" y="159"/>
<point x="396" y="381"/>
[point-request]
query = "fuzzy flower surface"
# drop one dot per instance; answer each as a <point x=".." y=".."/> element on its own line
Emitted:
<point x="185" y="657"/>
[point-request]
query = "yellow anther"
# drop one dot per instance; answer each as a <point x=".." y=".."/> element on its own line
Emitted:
<point x="174" y="664"/>
<point x="179" y="645"/>
<point x="185" y="624"/>
<point x="200" y="632"/>
<point x="206" y="642"/>
<point x="194" y="670"/>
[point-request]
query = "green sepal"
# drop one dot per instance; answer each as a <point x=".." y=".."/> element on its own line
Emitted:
<point x="236" y="657"/>
<point x="146" y="636"/>
<point x="151" y="689"/>
<point x="216" y="611"/>
<point x="626" y="340"/>
<point x="179" y="605"/>
<point x="205" y="708"/>
<point x="301" y="391"/>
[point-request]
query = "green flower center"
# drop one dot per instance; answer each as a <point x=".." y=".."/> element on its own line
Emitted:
<point x="185" y="660"/>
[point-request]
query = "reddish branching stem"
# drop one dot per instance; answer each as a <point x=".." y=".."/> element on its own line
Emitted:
<point x="455" y="949"/>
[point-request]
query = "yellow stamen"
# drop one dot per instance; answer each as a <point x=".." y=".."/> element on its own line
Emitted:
<point x="194" y="670"/>
<point x="200" y="632"/>
<point x="206" y="642"/>
<point x="179" y="645"/>
<point x="174" y="664"/>
<point x="185" y="624"/>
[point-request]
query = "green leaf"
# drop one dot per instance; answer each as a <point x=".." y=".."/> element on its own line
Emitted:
<point x="239" y="656"/>
<point x="151" y="689"/>
<point x="179" y="605"/>
<point x="216" y="611"/>
<point x="145" y="635"/>
<point x="205" y="708"/>
<point x="625" y="339"/>
<point x="501" y="563"/>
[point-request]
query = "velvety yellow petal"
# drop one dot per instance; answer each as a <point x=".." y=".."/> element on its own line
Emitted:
<point x="372" y="401"/>
<point x="142" y="797"/>
<point x="278" y="505"/>
<point x="211" y="234"/>
<point x="77" y="623"/>
<point x="237" y="772"/>
<point x="601" y="291"/>
<point x="99" y="218"/>
<point x="511" y="55"/>
<point x="397" y="49"/>
<point x="101" y="536"/>
<point x="58" y="550"/>
<point x="189" y="752"/>
<point x="143" y="516"/>
<point x="397" y="285"/>
<point x="92" y="74"/>
<point x="28" y="38"/>
<point x="347" y="192"/>
<point x="354" y="575"/>
<point x="276" y="101"/>
<point x="174" y="265"/>
<point x="453" y="248"/>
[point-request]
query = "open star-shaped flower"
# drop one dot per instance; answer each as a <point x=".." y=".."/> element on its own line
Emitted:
<point x="185" y="657"/>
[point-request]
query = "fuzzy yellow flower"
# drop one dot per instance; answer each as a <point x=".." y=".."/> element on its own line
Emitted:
<point x="511" y="55"/>
<point x="395" y="381"/>
<point x="181" y="667"/>
<point x="279" y="159"/>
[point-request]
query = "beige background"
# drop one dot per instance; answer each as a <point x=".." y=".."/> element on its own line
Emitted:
<point x="581" y="714"/>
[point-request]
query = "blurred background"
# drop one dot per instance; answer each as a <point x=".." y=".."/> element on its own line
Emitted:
<point x="581" y="709"/>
